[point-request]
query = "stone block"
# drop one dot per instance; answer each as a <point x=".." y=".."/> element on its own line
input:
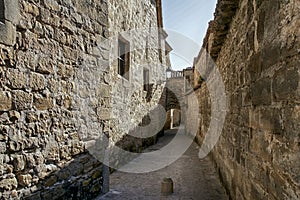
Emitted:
<point x="270" y="55"/>
<point x="5" y="101"/>
<point x="102" y="19"/>
<point x="14" y="115"/>
<point x="36" y="81"/>
<point x="291" y="123"/>
<point x="104" y="113"/>
<point x="12" y="12"/>
<point x="103" y="91"/>
<point x="66" y="24"/>
<point x="270" y="120"/>
<point x="58" y="193"/>
<point x="31" y="117"/>
<point x="70" y="53"/>
<point x="2" y="147"/>
<point x="19" y="163"/>
<point x="22" y="100"/>
<point x="45" y="66"/>
<point x="255" y="66"/>
<point x="52" y="5"/>
<point x="38" y="28"/>
<point x="261" y="26"/>
<point x="63" y="174"/>
<point x="9" y="183"/>
<point x="261" y="92"/>
<point x="257" y="192"/>
<point x="17" y="79"/>
<point x="53" y="85"/>
<point x="42" y="103"/>
<point x="24" y="180"/>
<point x="50" y="181"/>
<point x="8" y="33"/>
<point x="285" y="84"/>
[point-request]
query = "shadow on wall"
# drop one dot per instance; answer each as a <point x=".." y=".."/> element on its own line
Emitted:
<point x="79" y="179"/>
<point x="82" y="177"/>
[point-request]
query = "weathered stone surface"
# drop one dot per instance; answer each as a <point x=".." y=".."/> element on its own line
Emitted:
<point x="258" y="149"/>
<point x="57" y="76"/>
<point x="9" y="183"/>
<point x="5" y="101"/>
<point x="286" y="84"/>
<point x="51" y="181"/>
<point x="14" y="115"/>
<point x="42" y="103"/>
<point x="7" y="33"/>
<point x="104" y="90"/>
<point x="22" y="100"/>
<point x="36" y="81"/>
<point x="104" y="113"/>
<point x="19" y="163"/>
<point x="45" y="66"/>
<point x="18" y="80"/>
<point x="25" y="180"/>
<point x="2" y="147"/>
<point x="261" y="92"/>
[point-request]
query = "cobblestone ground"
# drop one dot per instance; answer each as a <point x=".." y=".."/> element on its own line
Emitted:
<point x="193" y="179"/>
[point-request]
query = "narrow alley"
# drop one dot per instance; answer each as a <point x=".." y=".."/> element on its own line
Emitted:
<point x="193" y="178"/>
<point x="88" y="88"/>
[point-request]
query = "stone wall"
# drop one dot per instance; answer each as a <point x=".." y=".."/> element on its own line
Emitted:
<point x="60" y="92"/>
<point x="135" y="21"/>
<point x="256" y="49"/>
<point x="45" y="49"/>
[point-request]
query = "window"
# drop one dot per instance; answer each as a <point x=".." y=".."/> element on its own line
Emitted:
<point x="146" y="79"/>
<point x="160" y="55"/>
<point x="123" y="58"/>
<point x="2" y="11"/>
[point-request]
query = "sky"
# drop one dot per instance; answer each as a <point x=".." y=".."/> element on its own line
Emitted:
<point x="186" y="22"/>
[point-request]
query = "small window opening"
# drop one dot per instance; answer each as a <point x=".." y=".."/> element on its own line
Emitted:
<point x="123" y="58"/>
<point x="146" y="79"/>
<point x="160" y="56"/>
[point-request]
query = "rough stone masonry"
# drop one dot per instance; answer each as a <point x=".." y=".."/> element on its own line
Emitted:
<point x="55" y="86"/>
<point x="256" y="46"/>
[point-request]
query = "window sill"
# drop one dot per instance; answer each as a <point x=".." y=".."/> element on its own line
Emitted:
<point x="122" y="78"/>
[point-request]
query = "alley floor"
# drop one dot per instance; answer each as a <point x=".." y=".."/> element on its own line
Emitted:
<point x="193" y="179"/>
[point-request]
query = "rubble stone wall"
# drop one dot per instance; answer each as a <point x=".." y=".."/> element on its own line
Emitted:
<point x="60" y="92"/>
<point x="135" y="21"/>
<point x="256" y="49"/>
